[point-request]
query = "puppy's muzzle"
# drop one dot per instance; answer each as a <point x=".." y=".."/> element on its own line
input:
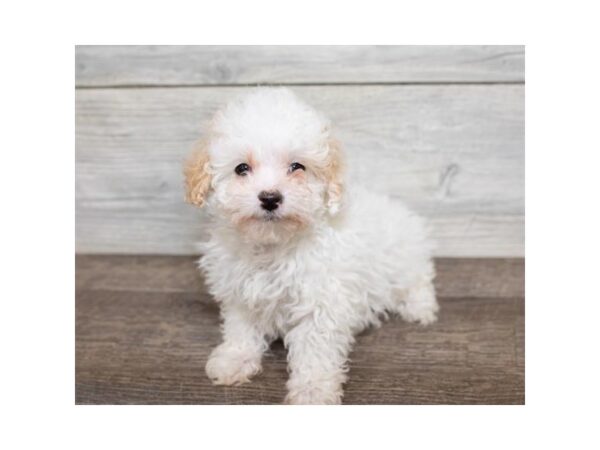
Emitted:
<point x="270" y="200"/>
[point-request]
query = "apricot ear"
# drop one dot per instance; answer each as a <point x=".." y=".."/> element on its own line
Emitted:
<point x="333" y="175"/>
<point x="197" y="175"/>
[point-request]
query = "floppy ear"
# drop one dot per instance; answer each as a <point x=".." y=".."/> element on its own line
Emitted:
<point x="197" y="175"/>
<point x="333" y="175"/>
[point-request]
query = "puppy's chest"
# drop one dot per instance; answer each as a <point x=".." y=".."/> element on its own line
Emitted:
<point x="270" y="285"/>
<point x="277" y="289"/>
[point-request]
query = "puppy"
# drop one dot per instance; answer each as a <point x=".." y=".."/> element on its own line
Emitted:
<point x="294" y="251"/>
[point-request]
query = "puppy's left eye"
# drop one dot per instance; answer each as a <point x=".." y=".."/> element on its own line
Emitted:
<point x="296" y="166"/>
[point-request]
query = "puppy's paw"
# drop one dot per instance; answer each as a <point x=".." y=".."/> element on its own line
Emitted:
<point x="229" y="365"/>
<point x="422" y="314"/>
<point x="327" y="391"/>
<point x="420" y="305"/>
<point x="313" y="396"/>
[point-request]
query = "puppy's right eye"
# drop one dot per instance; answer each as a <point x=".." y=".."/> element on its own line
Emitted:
<point x="242" y="169"/>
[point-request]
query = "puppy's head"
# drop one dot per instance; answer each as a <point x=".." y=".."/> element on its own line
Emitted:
<point x="268" y="165"/>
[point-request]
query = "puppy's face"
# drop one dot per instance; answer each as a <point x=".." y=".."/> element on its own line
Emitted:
<point x="269" y="167"/>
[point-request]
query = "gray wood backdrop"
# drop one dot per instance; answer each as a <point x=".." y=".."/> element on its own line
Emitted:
<point x="440" y="127"/>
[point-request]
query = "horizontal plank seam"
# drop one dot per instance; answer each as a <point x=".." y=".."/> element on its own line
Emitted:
<point x="443" y="298"/>
<point x="308" y="84"/>
<point x="194" y="257"/>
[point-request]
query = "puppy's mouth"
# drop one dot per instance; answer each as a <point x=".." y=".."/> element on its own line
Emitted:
<point x="270" y="216"/>
<point x="272" y="220"/>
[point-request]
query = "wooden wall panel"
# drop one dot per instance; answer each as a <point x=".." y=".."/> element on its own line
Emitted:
<point x="455" y="153"/>
<point x="218" y="65"/>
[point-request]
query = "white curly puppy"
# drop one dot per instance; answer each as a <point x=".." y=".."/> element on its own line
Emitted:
<point x="293" y="252"/>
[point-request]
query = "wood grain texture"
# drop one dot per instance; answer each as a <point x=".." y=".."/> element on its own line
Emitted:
<point x="217" y="65"/>
<point x="145" y="327"/>
<point x="454" y="153"/>
<point x="456" y="277"/>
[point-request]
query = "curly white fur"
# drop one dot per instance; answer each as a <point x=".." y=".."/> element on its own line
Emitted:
<point x="328" y="262"/>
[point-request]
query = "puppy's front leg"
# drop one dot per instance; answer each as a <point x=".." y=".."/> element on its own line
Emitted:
<point x="317" y="357"/>
<point x="238" y="358"/>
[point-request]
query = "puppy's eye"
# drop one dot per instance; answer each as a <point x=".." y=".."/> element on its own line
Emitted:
<point x="296" y="166"/>
<point x="242" y="169"/>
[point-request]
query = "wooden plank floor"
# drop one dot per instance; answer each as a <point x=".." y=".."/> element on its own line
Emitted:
<point x="145" y="326"/>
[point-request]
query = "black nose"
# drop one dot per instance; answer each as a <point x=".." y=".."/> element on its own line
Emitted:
<point x="270" y="200"/>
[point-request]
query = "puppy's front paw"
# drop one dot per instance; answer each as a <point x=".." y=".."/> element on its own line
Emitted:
<point x="313" y="392"/>
<point x="313" y="396"/>
<point x="229" y="365"/>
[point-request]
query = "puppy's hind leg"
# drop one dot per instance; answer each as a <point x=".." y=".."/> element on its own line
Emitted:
<point x="418" y="304"/>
